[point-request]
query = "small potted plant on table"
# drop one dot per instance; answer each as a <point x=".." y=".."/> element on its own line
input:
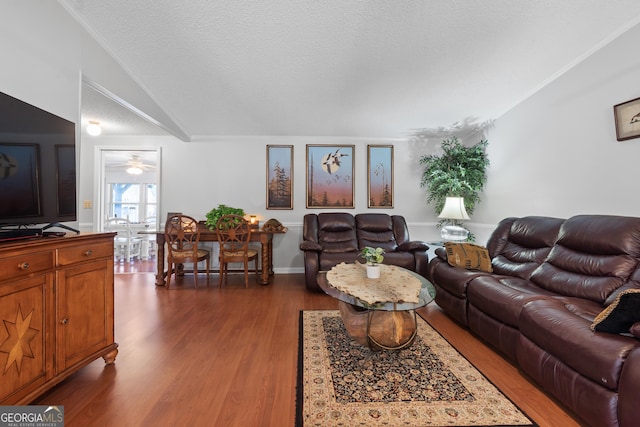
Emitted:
<point x="373" y="258"/>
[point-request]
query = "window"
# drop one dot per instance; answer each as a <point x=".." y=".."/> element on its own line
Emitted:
<point x="135" y="201"/>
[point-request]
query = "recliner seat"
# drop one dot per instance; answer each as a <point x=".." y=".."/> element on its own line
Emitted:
<point x="334" y="237"/>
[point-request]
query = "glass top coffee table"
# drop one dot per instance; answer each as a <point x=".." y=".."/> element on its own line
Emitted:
<point x="380" y="325"/>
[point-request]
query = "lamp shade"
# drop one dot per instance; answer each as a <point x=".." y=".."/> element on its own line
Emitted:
<point x="454" y="209"/>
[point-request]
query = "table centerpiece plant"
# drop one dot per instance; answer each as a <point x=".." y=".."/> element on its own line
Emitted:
<point x="373" y="257"/>
<point x="216" y="213"/>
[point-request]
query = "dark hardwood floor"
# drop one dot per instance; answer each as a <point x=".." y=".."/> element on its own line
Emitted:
<point x="227" y="357"/>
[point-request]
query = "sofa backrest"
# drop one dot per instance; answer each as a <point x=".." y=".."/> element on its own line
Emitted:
<point x="518" y="246"/>
<point x="593" y="256"/>
<point x="381" y="230"/>
<point x="334" y="231"/>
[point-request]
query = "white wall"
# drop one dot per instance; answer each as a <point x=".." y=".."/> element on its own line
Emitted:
<point x="41" y="61"/>
<point x="556" y="153"/>
<point x="197" y="176"/>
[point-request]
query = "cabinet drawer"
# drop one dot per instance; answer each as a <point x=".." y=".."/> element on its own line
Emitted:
<point x="22" y="265"/>
<point x="85" y="252"/>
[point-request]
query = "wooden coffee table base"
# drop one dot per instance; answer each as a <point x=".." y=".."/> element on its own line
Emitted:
<point x="378" y="329"/>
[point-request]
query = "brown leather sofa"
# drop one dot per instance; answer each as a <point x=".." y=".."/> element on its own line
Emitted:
<point x="334" y="237"/>
<point x="551" y="278"/>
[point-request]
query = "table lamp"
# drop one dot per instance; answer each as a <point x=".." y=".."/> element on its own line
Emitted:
<point x="453" y="211"/>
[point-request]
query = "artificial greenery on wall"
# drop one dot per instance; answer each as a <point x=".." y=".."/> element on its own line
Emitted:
<point x="460" y="171"/>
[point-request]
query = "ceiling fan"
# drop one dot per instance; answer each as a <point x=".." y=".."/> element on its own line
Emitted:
<point x="135" y="166"/>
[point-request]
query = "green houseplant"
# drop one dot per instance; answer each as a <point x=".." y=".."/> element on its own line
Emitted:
<point x="372" y="256"/>
<point x="459" y="171"/>
<point x="216" y="213"/>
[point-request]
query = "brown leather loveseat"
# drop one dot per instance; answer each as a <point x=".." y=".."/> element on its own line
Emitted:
<point x="555" y="285"/>
<point x="334" y="237"/>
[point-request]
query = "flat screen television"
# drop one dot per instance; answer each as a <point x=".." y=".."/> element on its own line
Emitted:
<point x="37" y="168"/>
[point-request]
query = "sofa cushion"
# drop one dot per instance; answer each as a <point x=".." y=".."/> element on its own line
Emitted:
<point x="577" y="274"/>
<point x="526" y="244"/>
<point x="337" y="232"/>
<point x="468" y="256"/>
<point x="562" y="327"/>
<point x="401" y="259"/>
<point x="593" y="256"/>
<point x="502" y="297"/>
<point x="376" y="231"/>
<point x="619" y="316"/>
<point x="451" y="280"/>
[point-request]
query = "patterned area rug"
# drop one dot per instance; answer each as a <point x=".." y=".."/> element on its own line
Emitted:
<point x="341" y="383"/>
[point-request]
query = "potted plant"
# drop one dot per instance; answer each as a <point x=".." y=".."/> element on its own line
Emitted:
<point x="459" y="171"/>
<point x="216" y="213"/>
<point x="373" y="257"/>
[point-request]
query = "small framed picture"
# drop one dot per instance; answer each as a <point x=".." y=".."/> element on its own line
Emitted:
<point x="330" y="176"/>
<point x="279" y="176"/>
<point x="627" y="117"/>
<point x="380" y="176"/>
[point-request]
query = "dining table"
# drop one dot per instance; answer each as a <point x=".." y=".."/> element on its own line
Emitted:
<point x="259" y="235"/>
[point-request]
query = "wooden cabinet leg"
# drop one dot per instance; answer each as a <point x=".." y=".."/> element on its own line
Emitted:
<point x="110" y="358"/>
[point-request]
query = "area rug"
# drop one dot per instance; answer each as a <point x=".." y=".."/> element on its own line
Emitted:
<point x="341" y="383"/>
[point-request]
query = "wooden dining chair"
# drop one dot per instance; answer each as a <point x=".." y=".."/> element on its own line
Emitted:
<point x="182" y="235"/>
<point x="234" y="234"/>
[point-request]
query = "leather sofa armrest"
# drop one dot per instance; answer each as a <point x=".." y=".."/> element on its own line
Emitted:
<point x="308" y="245"/>
<point x="413" y="246"/>
<point x="441" y="253"/>
<point x="635" y="330"/>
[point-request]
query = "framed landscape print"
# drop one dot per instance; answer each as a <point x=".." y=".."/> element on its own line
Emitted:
<point x="380" y="176"/>
<point x="279" y="176"/>
<point x="330" y="176"/>
<point x="627" y="118"/>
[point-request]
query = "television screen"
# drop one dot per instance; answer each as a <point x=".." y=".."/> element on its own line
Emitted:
<point x="37" y="165"/>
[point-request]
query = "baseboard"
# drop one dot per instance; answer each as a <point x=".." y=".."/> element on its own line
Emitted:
<point x="289" y="270"/>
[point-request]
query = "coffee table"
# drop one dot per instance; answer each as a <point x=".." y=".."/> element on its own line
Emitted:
<point x="381" y="325"/>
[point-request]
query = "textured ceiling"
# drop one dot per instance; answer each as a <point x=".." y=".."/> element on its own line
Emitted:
<point x="345" y="67"/>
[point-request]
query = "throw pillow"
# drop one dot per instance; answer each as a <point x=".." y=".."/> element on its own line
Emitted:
<point x="620" y="315"/>
<point x="469" y="256"/>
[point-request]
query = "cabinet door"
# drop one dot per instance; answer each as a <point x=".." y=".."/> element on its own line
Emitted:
<point x="84" y="304"/>
<point x="23" y="337"/>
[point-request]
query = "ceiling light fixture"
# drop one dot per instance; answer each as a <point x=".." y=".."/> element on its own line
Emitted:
<point x="134" y="170"/>
<point x="94" y="128"/>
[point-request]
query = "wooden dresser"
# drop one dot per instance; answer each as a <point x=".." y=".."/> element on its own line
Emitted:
<point x="56" y="311"/>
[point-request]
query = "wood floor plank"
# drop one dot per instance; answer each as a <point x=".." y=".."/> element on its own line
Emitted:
<point x="227" y="357"/>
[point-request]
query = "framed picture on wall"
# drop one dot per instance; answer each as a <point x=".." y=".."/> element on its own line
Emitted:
<point x="330" y="176"/>
<point x="380" y="176"/>
<point x="279" y="176"/>
<point x="627" y="118"/>
<point x="20" y="190"/>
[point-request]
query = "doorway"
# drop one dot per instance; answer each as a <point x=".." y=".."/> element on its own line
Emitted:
<point x="128" y="188"/>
